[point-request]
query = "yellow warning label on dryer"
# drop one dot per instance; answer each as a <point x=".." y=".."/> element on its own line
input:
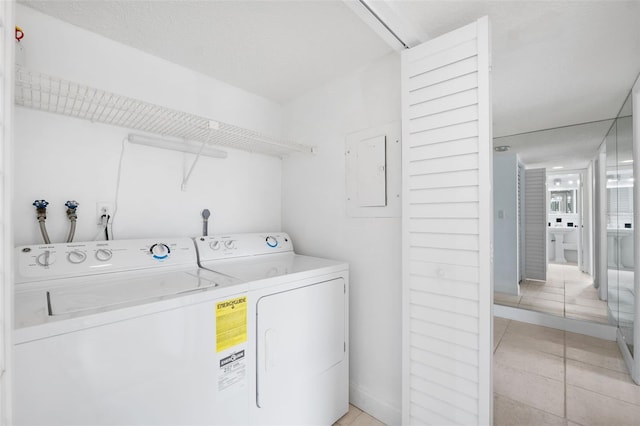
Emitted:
<point x="231" y="323"/>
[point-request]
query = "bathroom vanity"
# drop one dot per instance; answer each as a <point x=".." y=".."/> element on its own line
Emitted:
<point x="563" y="244"/>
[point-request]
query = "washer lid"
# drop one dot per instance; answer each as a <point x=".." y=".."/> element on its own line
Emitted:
<point x="56" y="300"/>
<point x="111" y="294"/>
<point x="255" y="268"/>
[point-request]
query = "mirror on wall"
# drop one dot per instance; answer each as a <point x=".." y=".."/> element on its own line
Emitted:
<point x="563" y="217"/>
<point x="570" y="289"/>
<point x="562" y="201"/>
<point x="620" y="225"/>
<point x="589" y="223"/>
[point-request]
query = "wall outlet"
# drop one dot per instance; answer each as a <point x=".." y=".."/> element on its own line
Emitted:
<point x="103" y="208"/>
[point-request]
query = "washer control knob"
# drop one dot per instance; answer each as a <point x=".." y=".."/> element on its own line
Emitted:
<point x="215" y="245"/>
<point x="160" y="251"/>
<point x="46" y="259"/>
<point x="229" y="244"/>
<point x="103" y="254"/>
<point x="77" y="256"/>
<point x="272" y="241"/>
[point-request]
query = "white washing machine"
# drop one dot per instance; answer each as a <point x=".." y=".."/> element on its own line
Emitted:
<point x="127" y="332"/>
<point x="298" y="327"/>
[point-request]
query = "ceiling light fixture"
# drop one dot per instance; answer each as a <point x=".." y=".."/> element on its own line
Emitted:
<point x="557" y="167"/>
<point x="627" y="161"/>
<point x="501" y="148"/>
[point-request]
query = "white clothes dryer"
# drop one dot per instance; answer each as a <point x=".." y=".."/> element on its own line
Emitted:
<point x="298" y="327"/>
<point x="125" y="333"/>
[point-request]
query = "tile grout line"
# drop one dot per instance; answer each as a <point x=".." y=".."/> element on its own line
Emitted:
<point x="565" y="335"/>
<point x="502" y="336"/>
<point x="564" y="282"/>
<point x="582" y="387"/>
<point x="527" y="405"/>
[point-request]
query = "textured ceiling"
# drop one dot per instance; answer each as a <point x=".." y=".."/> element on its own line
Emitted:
<point x="555" y="63"/>
<point x="277" y="49"/>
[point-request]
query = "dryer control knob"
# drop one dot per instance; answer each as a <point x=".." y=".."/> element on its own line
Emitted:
<point x="77" y="256"/>
<point x="215" y="245"/>
<point x="230" y="244"/>
<point x="46" y="258"/>
<point x="272" y="241"/>
<point x="103" y="255"/>
<point x="160" y="251"/>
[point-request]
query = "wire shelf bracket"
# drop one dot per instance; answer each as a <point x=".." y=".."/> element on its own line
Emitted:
<point x="52" y="94"/>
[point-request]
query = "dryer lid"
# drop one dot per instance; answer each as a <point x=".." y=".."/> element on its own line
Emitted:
<point x="255" y="268"/>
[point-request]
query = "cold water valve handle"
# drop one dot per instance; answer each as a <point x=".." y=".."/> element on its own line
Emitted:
<point x="71" y="210"/>
<point x="41" y="204"/>
<point x="41" y="210"/>
<point x="72" y="205"/>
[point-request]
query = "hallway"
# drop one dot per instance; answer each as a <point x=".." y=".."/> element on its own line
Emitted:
<point x="567" y="292"/>
<point x="544" y="376"/>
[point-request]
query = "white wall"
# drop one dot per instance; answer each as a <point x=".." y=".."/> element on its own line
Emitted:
<point x="60" y="158"/>
<point x="505" y="223"/>
<point x="6" y="229"/>
<point x="314" y="213"/>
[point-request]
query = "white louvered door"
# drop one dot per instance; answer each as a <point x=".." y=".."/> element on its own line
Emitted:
<point x="535" y="239"/>
<point x="447" y="229"/>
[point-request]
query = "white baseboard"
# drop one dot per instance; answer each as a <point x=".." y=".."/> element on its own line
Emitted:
<point x="381" y="410"/>
<point x="594" y="329"/>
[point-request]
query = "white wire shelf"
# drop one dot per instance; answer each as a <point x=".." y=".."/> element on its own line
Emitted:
<point x="52" y="94"/>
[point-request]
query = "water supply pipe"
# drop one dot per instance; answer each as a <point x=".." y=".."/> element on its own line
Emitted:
<point x="41" y="210"/>
<point x="72" y="205"/>
<point x="205" y="222"/>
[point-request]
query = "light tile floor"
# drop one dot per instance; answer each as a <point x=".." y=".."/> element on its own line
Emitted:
<point x="357" y="417"/>
<point x="544" y="376"/>
<point x="567" y="292"/>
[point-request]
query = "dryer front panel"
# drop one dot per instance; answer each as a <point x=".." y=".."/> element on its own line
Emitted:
<point x="301" y="352"/>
